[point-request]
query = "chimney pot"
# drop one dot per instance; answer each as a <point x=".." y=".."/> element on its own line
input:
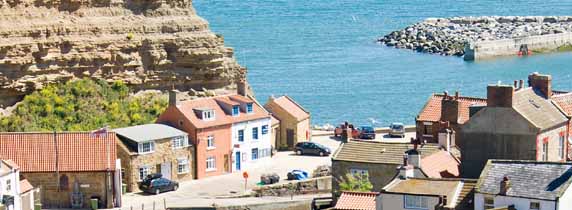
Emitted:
<point x="515" y="84"/>
<point x="520" y="84"/>
<point x="446" y="93"/>
<point x="504" y="185"/>
<point x="457" y="94"/>
<point x="500" y="95"/>
<point x="541" y="82"/>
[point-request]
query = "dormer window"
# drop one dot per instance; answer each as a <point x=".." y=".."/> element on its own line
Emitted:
<point x="235" y="110"/>
<point x="208" y="115"/>
<point x="249" y="108"/>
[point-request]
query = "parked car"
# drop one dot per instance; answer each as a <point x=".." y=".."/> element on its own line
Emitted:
<point x="297" y="175"/>
<point x="366" y="132"/>
<point x="397" y="129"/>
<point x="156" y="184"/>
<point x="269" y="178"/>
<point x="312" y="148"/>
<point x="340" y="129"/>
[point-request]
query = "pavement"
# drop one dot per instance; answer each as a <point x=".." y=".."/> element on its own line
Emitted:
<point x="220" y="190"/>
<point x="225" y="190"/>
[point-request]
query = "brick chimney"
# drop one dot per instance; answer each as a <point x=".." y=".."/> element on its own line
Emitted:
<point x="405" y="170"/>
<point x="541" y="82"/>
<point x="450" y="108"/>
<point x="414" y="157"/>
<point x="173" y="101"/>
<point x="446" y="139"/>
<point x="242" y="87"/>
<point x="504" y="186"/>
<point x="499" y="95"/>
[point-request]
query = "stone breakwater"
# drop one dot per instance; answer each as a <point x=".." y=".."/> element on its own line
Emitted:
<point x="449" y="36"/>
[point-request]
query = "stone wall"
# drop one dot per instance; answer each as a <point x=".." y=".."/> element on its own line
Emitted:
<point x="147" y="44"/>
<point x="164" y="153"/>
<point x="92" y="184"/>
<point x="313" y="185"/>
<point x="510" y="47"/>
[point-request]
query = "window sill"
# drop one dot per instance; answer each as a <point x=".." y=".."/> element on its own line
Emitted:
<point x="184" y="172"/>
<point x="210" y="148"/>
<point x="210" y="169"/>
<point x="145" y="153"/>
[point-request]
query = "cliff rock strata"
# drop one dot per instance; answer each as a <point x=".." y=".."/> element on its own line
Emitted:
<point x="148" y="44"/>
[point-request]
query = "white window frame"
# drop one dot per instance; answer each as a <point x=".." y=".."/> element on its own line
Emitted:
<point x="253" y="153"/>
<point x="264" y="129"/>
<point x="561" y="147"/>
<point x="141" y="147"/>
<point x="488" y="205"/>
<point x="143" y="172"/>
<point x="9" y="185"/>
<point x="359" y="171"/>
<point x="211" y="163"/>
<point x="255" y="132"/>
<point x="210" y="142"/>
<point x="237" y="109"/>
<point x="544" y="151"/>
<point x="238" y="135"/>
<point x="180" y="142"/>
<point x="532" y="202"/>
<point x="182" y="166"/>
<point x="415" y="202"/>
<point x="208" y="115"/>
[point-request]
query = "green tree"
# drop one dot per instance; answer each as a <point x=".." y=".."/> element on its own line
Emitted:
<point x="82" y="105"/>
<point x="355" y="182"/>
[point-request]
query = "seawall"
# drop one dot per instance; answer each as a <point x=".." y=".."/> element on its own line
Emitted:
<point x="515" y="46"/>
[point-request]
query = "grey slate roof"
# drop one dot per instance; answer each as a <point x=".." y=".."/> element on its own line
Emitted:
<point x="528" y="179"/>
<point x="538" y="110"/>
<point x="379" y="152"/>
<point x="148" y="132"/>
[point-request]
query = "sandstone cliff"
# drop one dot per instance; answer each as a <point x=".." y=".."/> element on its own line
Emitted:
<point x="149" y="44"/>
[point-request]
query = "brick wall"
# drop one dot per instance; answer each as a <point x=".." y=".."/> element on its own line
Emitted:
<point x="92" y="184"/>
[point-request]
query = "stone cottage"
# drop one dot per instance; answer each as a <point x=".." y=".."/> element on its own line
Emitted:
<point x="70" y="168"/>
<point x="154" y="148"/>
<point x="294" y="121"/>
<point x="444" y="111"/>
<point x="518" y="123"/>
<point x="380" y="161"/>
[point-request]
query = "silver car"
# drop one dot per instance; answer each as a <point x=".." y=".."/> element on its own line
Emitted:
<point x="397" y="129"/>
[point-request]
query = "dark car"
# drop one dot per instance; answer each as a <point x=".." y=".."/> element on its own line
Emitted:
<point x="311" y="148"/>
<point x="366" y="132"/>
<point x="155" y="184"/>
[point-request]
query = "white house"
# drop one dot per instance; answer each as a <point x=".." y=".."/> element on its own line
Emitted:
<point x="15" y="194"/>
<point x="525" y="185"/>
<point x="251" y="142"/>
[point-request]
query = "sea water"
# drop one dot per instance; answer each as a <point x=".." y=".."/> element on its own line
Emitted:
<point x="323" y="53"/>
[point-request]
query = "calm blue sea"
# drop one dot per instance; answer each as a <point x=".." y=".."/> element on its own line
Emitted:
<point x="323" y="53"/>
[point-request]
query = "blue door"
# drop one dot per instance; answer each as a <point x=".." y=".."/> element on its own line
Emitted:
<point x="237" y="160"/>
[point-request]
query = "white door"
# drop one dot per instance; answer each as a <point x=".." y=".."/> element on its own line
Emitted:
<point x="166" y="170"/>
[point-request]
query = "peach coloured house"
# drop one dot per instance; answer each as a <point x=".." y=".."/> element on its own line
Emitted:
<point x="230" y="133"/>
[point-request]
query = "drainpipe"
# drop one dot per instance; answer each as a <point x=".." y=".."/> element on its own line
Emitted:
<point x="57" y="161"/>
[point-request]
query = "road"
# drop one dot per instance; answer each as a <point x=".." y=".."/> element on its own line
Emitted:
<point x="217" y="189"/>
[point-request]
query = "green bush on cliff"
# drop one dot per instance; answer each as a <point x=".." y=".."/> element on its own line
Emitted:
<point x="83" y="105"/>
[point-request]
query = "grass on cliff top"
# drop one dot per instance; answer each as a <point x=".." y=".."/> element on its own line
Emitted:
<point x="83" y="105"/>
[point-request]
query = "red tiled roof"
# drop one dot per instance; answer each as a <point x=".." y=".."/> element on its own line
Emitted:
<point x="73" y="151"/>
<point x="432" y="110"/>
<point x="25" y="186"/>
<point x="564" y="101"/>
<point x="356" y="201"/>
<point x="221" y="117"/>
<point x="440" y="165"/>
<point x="292" y="107"/>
